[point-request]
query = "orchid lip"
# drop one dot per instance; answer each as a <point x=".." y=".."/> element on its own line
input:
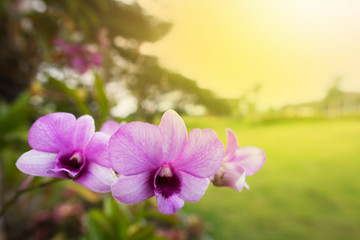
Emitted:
<point x="166" y="181"/>
<point x="72" y="163"/>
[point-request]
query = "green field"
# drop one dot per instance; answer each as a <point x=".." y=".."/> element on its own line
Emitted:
<point x="309" y="187"/>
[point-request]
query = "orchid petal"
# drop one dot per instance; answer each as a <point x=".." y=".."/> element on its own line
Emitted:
<point x="231" y="175"/>
<point x="232" y="143"/>
<point x="174" y="134"/>
<point x="110" y="127"/>
<point x="193" y="188"/>
<point x="39" y="163"/>
<point x="96" y="178"/>
<point x="53" y="132"/>
<point x="202" y="155"/>
<point x="240" y="182"/>
<point x="250" y="158"/>
<point x="133" y="189"/>
<point x="135" y="148"/>
<point x="96" y="150"/>
<point x="85" y="128"/>
<point x="170" y="204"/>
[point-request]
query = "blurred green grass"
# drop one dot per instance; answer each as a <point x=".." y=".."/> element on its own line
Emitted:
<point x="309" y="187"/>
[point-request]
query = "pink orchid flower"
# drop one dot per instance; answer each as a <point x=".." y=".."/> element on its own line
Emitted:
<point x="238" y="162"/>
<point x="79" y="57"/>
<point x="66" y="147"/>
<point x="162" y="161"/>
<point x="110" y="127"/>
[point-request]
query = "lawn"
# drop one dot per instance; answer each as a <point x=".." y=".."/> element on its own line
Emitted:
<point x="309" y="187"/>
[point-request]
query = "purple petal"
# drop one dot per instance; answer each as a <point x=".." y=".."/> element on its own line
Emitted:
<point x="250" y="158"/>
<point x="59" y="42"/>
<point x="235" y="179"/>
<point x="202" y="155"/>
<point x="133" y="189"/>
<point x="110" y="127"/>
<point x="135" y="148"/>
<point x="53" y="132"/>
<point x="174" y="134"/>
<point x="85" y="128"/>
<point x="232" y="144"/>
<point x="193" y="188"/>
<point x="79" y="64"/>
<point x="96" y="59"/>
<point x="38" y="164"/>
<point x="97" y="178"/>
<point x="170" y="204"/>
<point x="96" y="150"/>
<point x="238" y="178"/>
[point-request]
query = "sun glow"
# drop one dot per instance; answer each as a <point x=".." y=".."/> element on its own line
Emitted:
<point x="294" y="49"/>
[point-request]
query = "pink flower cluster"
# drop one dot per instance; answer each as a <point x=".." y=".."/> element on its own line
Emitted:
<point x="137" y="160"/>
<point x="79" y="57"/>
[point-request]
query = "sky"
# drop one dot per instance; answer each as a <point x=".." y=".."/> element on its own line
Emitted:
<point x="294" y="49"/>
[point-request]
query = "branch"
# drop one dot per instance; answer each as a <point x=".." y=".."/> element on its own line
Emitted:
<point x="20" y="192"/>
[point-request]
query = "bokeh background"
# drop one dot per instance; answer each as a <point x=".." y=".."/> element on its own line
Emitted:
<point x="284" y="75"/>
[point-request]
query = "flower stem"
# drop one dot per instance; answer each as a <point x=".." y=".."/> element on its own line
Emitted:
<point x="27" y="182"/>
<point x="12" y="200"/>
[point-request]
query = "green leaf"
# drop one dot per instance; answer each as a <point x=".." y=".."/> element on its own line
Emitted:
<point x="99" y="225"/>
<point x="101" y="98"/>
<point x="71" y="93"/>
<point x="158" y="238"/>
<point x="41" y="42"/>
<point x="169" y="219"/>
<point x="94" y="232"/>
<point x="14" y="115"/>
<point x="146" y="232"/>
<point x="118" y="218"/>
